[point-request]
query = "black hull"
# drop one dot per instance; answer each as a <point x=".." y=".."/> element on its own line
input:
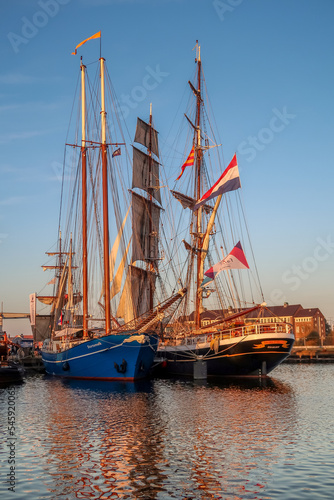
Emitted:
<point x="11" y="372"/>
<point x="250" y="356"/>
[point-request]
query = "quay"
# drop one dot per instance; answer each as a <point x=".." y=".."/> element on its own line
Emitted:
<point x="311" y="354"/>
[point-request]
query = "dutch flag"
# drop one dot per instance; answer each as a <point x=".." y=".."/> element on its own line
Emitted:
<point x="228" y="181"/>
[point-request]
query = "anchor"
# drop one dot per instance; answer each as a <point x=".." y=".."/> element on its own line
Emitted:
<point x="122" y="367"/>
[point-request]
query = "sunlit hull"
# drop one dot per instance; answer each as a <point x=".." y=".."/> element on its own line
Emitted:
<point x="111" y="357"/>
<point x="247" y="355"/>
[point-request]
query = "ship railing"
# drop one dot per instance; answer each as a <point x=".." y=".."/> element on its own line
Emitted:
<point x="238" y="331"/>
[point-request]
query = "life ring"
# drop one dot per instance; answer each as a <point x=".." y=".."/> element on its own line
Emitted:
<point x="209" y="338"/>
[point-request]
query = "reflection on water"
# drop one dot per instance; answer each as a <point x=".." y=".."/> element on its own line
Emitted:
<point x="166" y="439"/>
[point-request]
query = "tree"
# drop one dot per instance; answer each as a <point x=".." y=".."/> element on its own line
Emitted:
<point x="313" y="338"/>
<point x="329" y="339"/>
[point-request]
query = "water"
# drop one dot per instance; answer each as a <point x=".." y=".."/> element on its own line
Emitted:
<point x="166" y="439"/>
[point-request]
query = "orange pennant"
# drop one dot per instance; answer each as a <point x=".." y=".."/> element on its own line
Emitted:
<point x="97" y="35"/>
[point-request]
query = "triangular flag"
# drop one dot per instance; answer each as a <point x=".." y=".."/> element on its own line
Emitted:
<point x="188" y="163"/>
<point x="117" y="152"/>
<point x="97" y="35"/>
<point x="234" y="260"/>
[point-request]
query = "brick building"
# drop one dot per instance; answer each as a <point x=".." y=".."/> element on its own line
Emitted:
<point x="304" y="321"/>
<point x="309" y="320"/>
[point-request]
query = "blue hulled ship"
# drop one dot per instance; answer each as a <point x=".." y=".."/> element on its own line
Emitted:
<point x="107" y="303"/>
<point x="127" y="356"/>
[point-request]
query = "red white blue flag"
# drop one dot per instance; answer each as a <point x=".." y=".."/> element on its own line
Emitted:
<point x="228" y="181"/>
<point x="117" y="152"/>
<point x="234" y="260"/>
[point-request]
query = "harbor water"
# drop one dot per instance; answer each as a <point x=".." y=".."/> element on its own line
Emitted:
<point x="170" y="439"/>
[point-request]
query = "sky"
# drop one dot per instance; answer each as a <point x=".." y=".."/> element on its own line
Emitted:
<point x="269" y="71"/>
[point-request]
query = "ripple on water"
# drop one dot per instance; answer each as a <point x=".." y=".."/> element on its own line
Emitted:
<point x="174" y="439"/>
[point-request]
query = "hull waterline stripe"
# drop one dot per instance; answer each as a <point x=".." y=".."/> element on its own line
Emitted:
<point x="106" y="379"/>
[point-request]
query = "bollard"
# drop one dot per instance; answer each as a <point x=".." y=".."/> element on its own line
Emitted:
<point x="264" y="369"/>
<point x="200" y="370"/>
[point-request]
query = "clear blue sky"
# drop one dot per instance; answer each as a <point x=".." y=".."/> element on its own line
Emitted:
<point x="269" y="71"/>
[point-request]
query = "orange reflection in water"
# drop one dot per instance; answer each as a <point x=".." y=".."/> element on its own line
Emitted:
<point x="109" y="440"/>
<point x="116" y="450"/>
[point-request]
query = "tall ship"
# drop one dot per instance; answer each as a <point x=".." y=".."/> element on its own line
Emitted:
<point x="107" y="307"/>
<point x="219" y="329"/>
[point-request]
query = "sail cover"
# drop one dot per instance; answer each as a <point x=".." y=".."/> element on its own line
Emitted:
<point x="141" y="173"/>
<point x="146" y="218"/>
<point x="143" y="136"/>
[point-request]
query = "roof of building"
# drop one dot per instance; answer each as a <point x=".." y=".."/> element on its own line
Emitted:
<point x="280" y="311"/>
<point x="293" y="310"/>
<point x="212" y="315"/>
<point x="306" y="313"/>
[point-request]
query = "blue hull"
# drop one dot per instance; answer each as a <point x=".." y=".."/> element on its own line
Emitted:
<point x="110" y="357"/>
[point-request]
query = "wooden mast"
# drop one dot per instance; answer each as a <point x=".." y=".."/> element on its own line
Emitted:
<point x="150" y="205"/>
<point x="84" y="204"/>
<point x="105" y="203"/>
<point x="198" y="302"/>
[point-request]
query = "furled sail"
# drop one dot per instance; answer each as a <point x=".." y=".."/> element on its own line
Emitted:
<point x="146" y="218"/>
<point x="135" y="299"/>
<point x="61" y="294"/>
<point x="142" y="136"/>
<point x="70" y="301"/>
<point x="114" y="250"/>
<point x="116" y="284"/>
<point x="125" y="308"/>
<point x="141" y="174"/>
<point x="188" y="201"/>
<point x="112" y="256"/>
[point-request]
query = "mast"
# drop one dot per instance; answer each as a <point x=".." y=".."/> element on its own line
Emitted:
<point x="150" y="203"/>
<point x="84" y="203"/>
<point x="198" y="301"/>
<point x="105" y="203"/>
